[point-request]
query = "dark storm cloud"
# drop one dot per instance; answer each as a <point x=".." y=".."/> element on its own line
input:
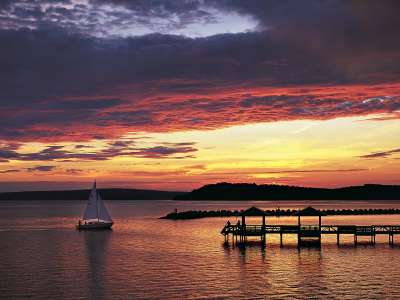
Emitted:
<point x="164" y="151"/>
<point x="41" y="169"/>
<point x="113" y="149"/>
<point x="31" y="169"/>
<point x="82" y="104"/>
<point x="58" y="81"/>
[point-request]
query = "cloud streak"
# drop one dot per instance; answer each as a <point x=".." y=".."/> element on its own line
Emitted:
<point x="382" y="154"/>
<point x="113" y="149"/>
<point x="31" y="169"/>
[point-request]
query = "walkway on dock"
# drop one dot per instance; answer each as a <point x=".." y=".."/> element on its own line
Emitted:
<point x="305" y="233"/>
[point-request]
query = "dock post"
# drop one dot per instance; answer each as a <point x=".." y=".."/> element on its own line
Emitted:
<point x="355" y="239"/>
<point x="338" y="239"/>
<point x="319" y="229"/>
<point x="298" y="231"/>
<point x="281" y="240"/>
<point x="391" y="239"/>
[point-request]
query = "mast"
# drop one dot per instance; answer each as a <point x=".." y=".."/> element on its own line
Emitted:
<point x="97" y="200"/>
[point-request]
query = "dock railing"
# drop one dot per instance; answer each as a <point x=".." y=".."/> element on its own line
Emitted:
<point x="310" y="230"/>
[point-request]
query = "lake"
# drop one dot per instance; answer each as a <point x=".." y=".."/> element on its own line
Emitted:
<point x="42" y="256"/>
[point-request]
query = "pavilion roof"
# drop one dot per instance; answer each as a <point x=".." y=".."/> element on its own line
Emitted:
<point x="254" y="211"/>
<point x="309" y="211"/>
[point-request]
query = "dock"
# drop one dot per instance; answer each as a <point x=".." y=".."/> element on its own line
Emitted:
<point x="306" y="234"/>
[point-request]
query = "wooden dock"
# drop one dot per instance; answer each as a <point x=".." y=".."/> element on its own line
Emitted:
<point x="306" y="234"/>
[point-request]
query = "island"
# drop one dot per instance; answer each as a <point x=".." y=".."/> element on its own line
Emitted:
<point x="252" y="191"/>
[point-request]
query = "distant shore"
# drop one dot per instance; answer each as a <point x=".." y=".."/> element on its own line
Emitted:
<point x="198" y="214"/>
<point x="223" y="192"/>
<point x="107" y="194"/>
<point x="252" y="191"/>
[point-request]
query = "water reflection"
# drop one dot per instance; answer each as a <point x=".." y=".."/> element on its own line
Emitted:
<point x="147" y="258"/>
<point x="96" y="249"/>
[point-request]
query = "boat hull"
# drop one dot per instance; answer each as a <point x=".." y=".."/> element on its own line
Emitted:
<point x="94" y="226"/>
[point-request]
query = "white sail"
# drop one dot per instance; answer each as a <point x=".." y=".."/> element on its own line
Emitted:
<point x="91" y="211"/>
<point x="103" y="212"/>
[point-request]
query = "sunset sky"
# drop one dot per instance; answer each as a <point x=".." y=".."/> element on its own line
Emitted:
<point x="167" y="94"/>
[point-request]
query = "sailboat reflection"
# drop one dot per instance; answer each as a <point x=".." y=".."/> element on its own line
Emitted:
<point x="96" y="248"/>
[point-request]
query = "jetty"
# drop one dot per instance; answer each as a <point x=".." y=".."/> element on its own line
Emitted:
<point x="198" y="214"/>
<point x="306" y="234"/>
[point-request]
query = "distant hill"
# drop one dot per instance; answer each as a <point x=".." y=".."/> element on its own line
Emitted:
<point x="248" y="191"/>
<point x="108" y="194"/>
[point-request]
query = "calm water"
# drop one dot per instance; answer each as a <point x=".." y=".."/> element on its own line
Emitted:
<point x="42" y="256"/>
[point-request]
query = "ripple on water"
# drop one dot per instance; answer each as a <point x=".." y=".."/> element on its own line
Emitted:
<point x="42" y="256"/>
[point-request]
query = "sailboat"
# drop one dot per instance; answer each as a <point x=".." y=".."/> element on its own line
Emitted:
<point x="96" y="215"/>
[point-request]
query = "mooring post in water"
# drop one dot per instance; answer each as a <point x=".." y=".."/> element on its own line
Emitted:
<point x="243" y="228"/>
<point x="298" y="231"/>
<point x="391" y="239"/>
<point x="263" y="230"/>
<point x="319" y="229"/>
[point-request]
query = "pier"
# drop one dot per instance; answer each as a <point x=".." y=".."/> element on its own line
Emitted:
<point x="306" y="234"/>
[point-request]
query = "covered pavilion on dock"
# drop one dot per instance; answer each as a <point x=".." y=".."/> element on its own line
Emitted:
<point x="309" y="232"/>
<point x="305" y="233"/>
<point x="243" y="230"/>
<point x="253" y="212"/>
<point x="253" y="230"/>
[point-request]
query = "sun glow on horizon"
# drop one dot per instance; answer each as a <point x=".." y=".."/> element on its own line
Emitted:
<point x="310" y="153"/>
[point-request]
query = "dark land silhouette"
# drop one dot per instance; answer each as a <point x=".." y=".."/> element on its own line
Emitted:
<point x="198" y="214"/>
<point x="248" y="191"/>
<point x="222" y="191"/>
<point x="108" y="194"/>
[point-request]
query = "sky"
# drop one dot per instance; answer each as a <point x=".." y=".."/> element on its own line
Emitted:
<point x="172" y="95"/>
